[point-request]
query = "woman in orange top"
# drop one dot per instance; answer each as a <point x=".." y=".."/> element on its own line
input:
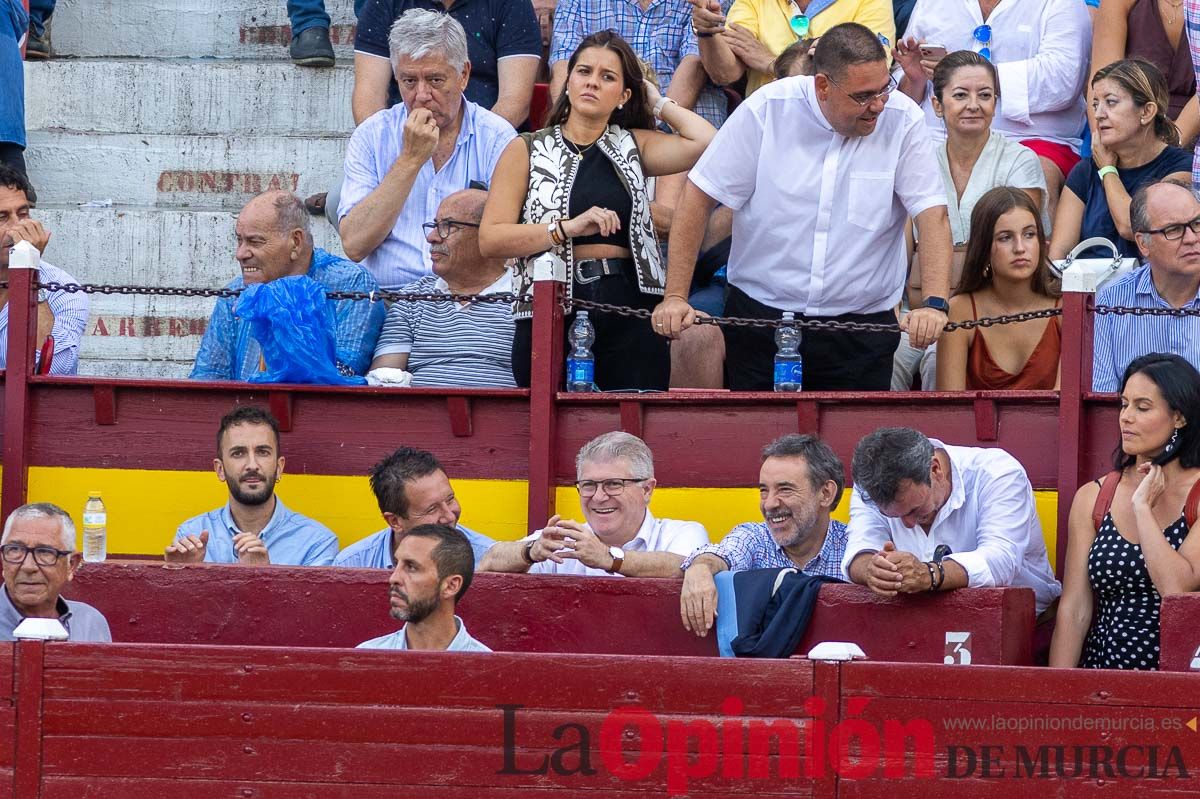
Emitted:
<point x="1006" y="271"/>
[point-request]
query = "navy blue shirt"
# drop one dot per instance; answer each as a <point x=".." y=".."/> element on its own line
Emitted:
<point x="1084" y="183"/>
<point x="495" y="29"/>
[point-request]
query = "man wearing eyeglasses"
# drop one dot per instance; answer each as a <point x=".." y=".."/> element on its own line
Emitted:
<point x="822" y="174"/>
<point x="620" y="538"/>
<point x="38" y="551"/>
<point x="274" y="241"/>
<point x="446" y="343"/>
<point x="1165" y="217"/>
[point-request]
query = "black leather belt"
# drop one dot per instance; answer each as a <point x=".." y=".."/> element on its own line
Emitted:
<point x="596" y="268"/>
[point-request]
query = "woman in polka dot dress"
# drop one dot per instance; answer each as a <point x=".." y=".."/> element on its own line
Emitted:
<point x="1116" y="573"/>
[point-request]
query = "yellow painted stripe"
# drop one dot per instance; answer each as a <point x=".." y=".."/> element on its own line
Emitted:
<point x="145" y="507"/>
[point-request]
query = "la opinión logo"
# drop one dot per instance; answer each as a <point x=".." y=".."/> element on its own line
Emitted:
<point x="633" y="744"/>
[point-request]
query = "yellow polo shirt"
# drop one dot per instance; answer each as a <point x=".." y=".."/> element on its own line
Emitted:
<point x="769" y="21"/>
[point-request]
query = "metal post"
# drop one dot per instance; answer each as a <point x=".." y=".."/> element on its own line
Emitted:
<point x="23" y="261"/>
<point x="546" y="375"/>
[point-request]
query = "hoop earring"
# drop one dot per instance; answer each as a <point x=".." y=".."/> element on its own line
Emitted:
<point x="1173" y="444"/>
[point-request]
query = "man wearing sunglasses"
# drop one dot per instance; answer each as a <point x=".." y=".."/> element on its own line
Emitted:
<point x="621" y="537"/>
<point x="446" y="343"/>
<point x="39" y="557"/>
<point x="822" y="174"/>
<point x="1165" y="217"/>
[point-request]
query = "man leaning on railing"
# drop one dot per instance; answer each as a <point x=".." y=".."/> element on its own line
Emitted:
<point x="61" y="314"/>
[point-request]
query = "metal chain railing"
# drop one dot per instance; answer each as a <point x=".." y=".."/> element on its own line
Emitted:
<point x="618" y="310"/>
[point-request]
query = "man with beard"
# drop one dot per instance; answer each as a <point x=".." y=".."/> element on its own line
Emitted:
<point x="254" y="528"/>
<point x="434" y="568"/>
<point x="800" y="482"/>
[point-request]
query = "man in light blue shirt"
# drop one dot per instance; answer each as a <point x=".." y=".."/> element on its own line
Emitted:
<point x="412" y="489"/>
<point x="403" y="161"/>
<point x="1165" y="218"/>
<point x="274" y="241"/>
<point x="800" y="483"/>
<point x="254" y="528"/>
<point x="434" y="569"/>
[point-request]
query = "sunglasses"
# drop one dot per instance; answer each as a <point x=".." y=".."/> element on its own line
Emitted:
<point x="799" y="22"/>
<point x="983" y="35"/>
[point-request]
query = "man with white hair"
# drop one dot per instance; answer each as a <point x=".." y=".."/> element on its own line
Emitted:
<point x="621" y="538"/>
<point x="274" y="241"/>
<point x="403" y="161"/>
<point x="38" y="552"/>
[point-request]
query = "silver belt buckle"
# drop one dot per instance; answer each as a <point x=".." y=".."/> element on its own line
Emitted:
<point x="579" y="271"/>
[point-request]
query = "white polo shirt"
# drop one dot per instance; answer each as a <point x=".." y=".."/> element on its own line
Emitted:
<point x="655" y="535"/>
<point x="818" y="224"/>
<point x="1040" y="49"/>
<point x="989" y="522"/>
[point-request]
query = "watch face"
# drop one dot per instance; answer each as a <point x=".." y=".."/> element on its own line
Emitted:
<point x="937" y="303"/>
<point x="616" y="552"/>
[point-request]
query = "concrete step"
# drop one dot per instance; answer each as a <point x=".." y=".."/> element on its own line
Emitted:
<point x="148" y="247"/>
<point x="187" y="28"/>
<point x="268" y="98"/>
<point x="178" y="171"/>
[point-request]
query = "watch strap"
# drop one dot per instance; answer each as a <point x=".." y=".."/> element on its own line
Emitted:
<point x="616" y="565"/>
<point x="1105" y="171"/>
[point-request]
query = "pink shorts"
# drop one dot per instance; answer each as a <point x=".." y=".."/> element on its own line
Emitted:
<point x="1063" y="156"/>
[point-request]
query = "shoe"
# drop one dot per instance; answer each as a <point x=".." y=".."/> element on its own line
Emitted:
<point x="37" y="48"/>
<point x="315" y="204"/>
<point x="312" y="48"/>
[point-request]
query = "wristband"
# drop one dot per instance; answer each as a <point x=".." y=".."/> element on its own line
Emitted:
<point x="660" y="105"/>
<point x="932" y="579"/>
<point x="701" y="34"/>
<point x="1105" y="171"/>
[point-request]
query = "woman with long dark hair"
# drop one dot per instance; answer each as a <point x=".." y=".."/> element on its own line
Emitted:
<point x="1006" y="271"/>
<point x="1130" y="539"/>
<point x="578" y="187"/>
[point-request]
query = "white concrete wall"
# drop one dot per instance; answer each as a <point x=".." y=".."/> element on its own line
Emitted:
<point x="178" y="171"/>
<point x="186" y="28"/>
<point x="185" y="97"/>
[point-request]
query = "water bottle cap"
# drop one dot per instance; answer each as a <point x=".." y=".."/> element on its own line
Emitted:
<point x="789" y="315"/>
<point x="93" y="495"/>
<point x="582" y="314"/>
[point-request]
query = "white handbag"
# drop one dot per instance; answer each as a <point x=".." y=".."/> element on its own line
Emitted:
<point x="1089" y="274"/>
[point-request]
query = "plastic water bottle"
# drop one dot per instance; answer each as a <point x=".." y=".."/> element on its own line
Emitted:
<point x="95" y="529"/>
<point x="581" y="365"/>
<point x="788" y="368"/>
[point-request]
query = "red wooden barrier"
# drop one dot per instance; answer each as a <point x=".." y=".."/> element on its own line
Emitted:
<point x="135" y="721"/>
<point x="8" y="718"/>
<point x="1179" y="633"/>
<point x="295" y="607"/>
<point x="1017" y="732"/>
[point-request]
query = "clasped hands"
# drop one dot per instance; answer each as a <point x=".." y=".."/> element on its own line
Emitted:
<point x="892" y="572"/>
<point x="566" y="539"/>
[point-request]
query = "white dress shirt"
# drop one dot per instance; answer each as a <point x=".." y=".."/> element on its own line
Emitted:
<point x="655" y="535"/>
<point x="1040" y="49"/>
<point x="989" y="522"/>
<point x="818" y="223"/>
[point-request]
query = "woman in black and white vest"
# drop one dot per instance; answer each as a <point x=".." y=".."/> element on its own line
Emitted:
<point x="578" y="187"/>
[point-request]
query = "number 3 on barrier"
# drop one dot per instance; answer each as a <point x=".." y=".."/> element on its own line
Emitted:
<point x="958" y="649"/>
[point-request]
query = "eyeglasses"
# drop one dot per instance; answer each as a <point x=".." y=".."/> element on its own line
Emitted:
<point x="983" y="35"/>
<point x="445" y="227"/>
<point x="863" y="99"/>
<point x="42" y="556"/>
<point x="1175" y="232"/>
<point x="613" y="486"/>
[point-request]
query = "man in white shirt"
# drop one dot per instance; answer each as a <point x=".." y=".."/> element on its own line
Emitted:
<point x="822" y="174"/>
<point x="434" y="568"/>
<point x="403" y="161"/>
<point x="1040" y="49"/>
<point x="621" y="537"/>
<point x="928" y="517"/>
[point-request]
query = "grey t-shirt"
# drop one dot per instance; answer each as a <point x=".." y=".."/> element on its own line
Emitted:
<point x="83" y="622"/>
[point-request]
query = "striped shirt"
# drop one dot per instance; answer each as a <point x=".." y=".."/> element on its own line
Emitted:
<point x="1118" y="339"/>
<point x="229" y="351"/>
<point x="70" y="322"/>
<point x="1192" y="26"/>
<point x="751" y="546"/>
<point x="660" y="34"/>
<point x="450" y="344"/>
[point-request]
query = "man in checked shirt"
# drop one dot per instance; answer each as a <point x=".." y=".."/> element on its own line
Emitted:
<point x="800" y="483"/>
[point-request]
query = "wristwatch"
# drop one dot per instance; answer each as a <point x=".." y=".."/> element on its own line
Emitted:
<point x="618" y="556"/>
<point x="527" y="552"/>
<point x="937" y="304"/>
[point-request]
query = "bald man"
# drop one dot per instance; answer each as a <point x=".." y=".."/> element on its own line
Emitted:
<point x="444" y="342"/>
<point x="274" y="241"/>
